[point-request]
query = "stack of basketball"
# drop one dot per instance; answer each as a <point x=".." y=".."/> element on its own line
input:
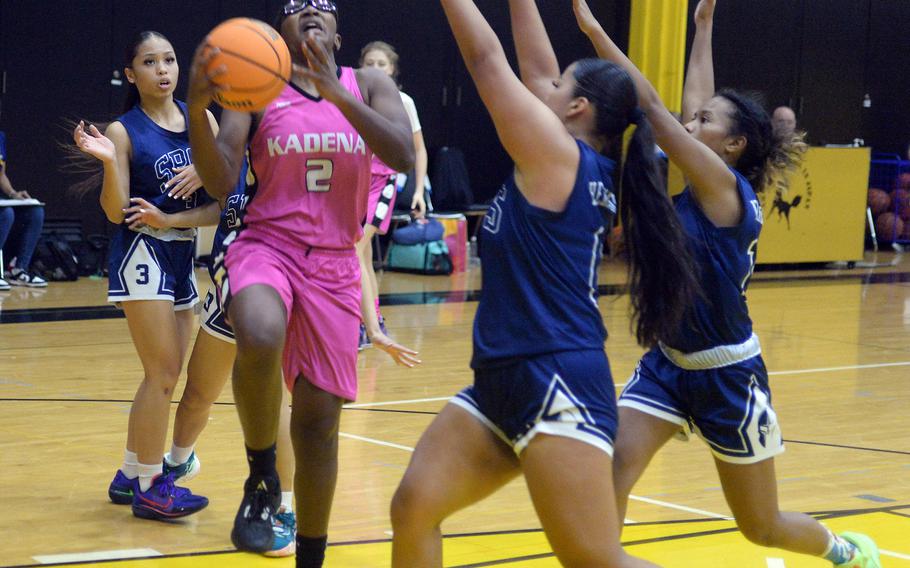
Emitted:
<point x="891" y="211"/>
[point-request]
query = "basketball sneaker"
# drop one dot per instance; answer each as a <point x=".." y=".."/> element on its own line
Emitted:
<point x="364" y="340"/>
<point x="866" y="552"/>
<point x="185" y="471"/>
<point x="285" y="529"/>
<point x="164" y="500"/>
<point x="122" y="488"/>
<point x="19" y="277"/>
<point x="256" y="517"/>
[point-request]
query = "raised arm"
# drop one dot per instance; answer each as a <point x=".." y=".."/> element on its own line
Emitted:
<point x="712" y="182"/>
<point x="699" y="86"/>
<point x="112" y="149"/>
<point x="537" y="61"/>
<point x="218" y="158"/>
<point x="545" y="155"/>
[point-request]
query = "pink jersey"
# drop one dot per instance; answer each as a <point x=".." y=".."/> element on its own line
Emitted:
<point x="313" y="170"/>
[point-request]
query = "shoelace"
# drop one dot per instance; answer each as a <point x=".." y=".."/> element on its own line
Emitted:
<point x="259" y="502"/>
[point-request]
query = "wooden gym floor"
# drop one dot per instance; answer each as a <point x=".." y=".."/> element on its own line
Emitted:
<point x="836" y="342"/>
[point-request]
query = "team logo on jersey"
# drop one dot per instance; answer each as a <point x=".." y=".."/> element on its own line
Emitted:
<point x="493" y="219"/>
<point x="164" y="165"/>
<point x="317" y="143"/>
<point x="602" y="197"/>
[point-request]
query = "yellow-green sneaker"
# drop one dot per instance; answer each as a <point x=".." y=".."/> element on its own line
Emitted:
<point x="866" y="552"/>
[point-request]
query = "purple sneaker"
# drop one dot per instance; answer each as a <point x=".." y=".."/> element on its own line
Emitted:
<point x="164" y="500"/>
<point x="122" y="489"/>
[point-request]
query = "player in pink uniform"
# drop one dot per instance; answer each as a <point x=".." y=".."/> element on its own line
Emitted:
<point x="292" y="282"/>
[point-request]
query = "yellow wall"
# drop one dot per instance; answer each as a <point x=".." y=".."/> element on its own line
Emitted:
<point x="657" y="45"/>
<point x="828" y="223"/>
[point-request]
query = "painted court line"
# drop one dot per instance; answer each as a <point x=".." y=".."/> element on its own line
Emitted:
<point x="391" y="402"/>
<point x="776" y="563"/>
<point x="621" y="385"/>
<point x="95" y="556"/>
<point x="375" y="441"/>
<point x="680" y="507"/>
<point x="635" y="497"/>
<point x="894" y="554"/>
<point x="845" y="368"/>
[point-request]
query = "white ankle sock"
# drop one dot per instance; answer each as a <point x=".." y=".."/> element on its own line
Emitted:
<point x="287" y="502"/>
<point x="147" y="474"/>
<point x="130" y="465"/>
<point x="179" y="455"/>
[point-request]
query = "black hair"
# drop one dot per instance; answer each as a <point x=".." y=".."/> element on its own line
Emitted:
<point x="132" y="49"/>
<point x="766" y="155"/>
<point x="662" y="275"/>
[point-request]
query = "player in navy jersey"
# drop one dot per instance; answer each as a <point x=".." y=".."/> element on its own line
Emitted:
<point x="213" y="356"/>
<point x="146" y="154"/>
<point x="709" y="375"/>
<point x="543" y="402"/>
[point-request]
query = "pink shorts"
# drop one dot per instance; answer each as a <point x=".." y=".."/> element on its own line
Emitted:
<point x="381" y="202"/>
<point x="321" y="293"/>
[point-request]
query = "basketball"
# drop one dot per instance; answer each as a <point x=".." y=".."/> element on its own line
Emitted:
<point x="878" y="200"/>
<point x="889" y="227"/>
<point x="903" y="181"/>
<point x="900" y="199"/>
<point x="257" y="63"/>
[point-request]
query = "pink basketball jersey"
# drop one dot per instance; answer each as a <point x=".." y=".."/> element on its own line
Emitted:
<point x="313" y="170"/>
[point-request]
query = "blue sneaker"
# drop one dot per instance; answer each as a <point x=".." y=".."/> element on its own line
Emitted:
<point x="122" y="489"/>
<point x="285" y="529"/>
<point x="164" y="500"/>
<point x="185" y="471"/>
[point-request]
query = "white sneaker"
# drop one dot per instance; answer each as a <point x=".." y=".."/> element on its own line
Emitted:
<point x="4" y="285"/>
<point x="20" y="277"/>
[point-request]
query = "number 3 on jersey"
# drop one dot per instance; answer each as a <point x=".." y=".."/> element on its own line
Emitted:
<point x="319" y="175"/>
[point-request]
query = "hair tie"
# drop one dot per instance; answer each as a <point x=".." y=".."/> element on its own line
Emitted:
<point x="636" y="116"/>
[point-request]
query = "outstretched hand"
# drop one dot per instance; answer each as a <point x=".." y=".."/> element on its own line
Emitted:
<point x="184" y="184"/>
<point x="202" y="86"/>
<point x="585" y="18"/>
<point x="704" y="12"/>
<point x="399" y="353"/>
<point x="141" y="213"/>
<point x="320" y="69"/>
<point x="92" y="142"/>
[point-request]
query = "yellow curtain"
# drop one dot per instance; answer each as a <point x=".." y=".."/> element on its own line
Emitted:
<point x="657" y="45"/>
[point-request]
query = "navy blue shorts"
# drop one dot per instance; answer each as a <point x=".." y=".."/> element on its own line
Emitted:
<point x="145" y="268"/>
<point x="729" y="407"/>
<point x="568" y="394"/>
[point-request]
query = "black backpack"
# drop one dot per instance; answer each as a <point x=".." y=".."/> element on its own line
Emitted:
<point x="54" y="259"/>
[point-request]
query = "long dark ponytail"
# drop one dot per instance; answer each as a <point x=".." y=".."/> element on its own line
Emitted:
<point x="662" y="276"/>
<point x="766" y="156"/>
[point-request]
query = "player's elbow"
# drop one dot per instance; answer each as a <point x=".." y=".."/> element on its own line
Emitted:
<point x="405" y="156"/>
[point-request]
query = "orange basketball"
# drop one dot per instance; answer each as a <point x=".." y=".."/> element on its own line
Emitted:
<point x="257" y="62"/>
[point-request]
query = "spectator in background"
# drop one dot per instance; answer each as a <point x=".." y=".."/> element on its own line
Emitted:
<point x="783" y="121"/>
<point x="20" y="228"/>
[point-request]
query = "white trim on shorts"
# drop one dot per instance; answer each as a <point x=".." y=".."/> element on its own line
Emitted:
<point x="206" y="315"/>
<point x="474" y="410"/>
<point x="720" y="356"/>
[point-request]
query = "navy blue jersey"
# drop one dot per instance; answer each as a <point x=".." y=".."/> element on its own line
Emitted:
<point x="232" y="215"/>
<point x="726" y="258"/>
<point x="156" y="152"/>
<point x="540" y="269"/>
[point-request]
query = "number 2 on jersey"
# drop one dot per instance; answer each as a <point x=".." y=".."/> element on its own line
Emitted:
<point x="319" y="175"/>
